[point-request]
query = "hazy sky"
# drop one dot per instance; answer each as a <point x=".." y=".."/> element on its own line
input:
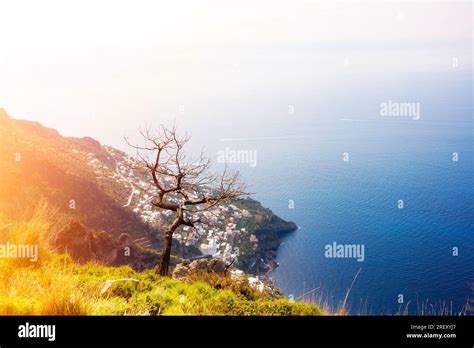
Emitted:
<point x="100" y="68"/>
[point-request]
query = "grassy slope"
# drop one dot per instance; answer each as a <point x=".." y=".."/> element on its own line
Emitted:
<point x="60" y="287"/>
<point x="57" y="286"/>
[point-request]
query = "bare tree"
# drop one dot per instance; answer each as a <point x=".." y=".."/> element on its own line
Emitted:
<point x="184" y="186"/>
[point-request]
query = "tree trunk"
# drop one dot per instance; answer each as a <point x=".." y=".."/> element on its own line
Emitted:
<point x="165" y="256"/>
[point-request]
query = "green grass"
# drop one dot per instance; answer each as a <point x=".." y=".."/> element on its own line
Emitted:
<point x="61" y="287"/>
<point x="55" y="285"/>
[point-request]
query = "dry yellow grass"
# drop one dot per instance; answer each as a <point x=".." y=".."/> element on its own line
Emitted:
<point x="30" y="227"/>
<point x="55" y="285"/>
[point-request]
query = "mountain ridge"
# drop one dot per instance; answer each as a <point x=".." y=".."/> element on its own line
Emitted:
<point x="101" y="188"/>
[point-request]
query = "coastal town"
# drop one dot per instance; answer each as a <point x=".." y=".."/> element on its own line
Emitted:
<point x="223" y="236"/>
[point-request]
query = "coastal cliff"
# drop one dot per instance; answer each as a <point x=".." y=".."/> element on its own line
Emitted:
<point x="259" y="253"/>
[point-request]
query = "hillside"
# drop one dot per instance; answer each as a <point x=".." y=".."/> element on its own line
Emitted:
<point x="105" y="200"/>
<point x="36" y="162"/>
<point x="61" y="287"/>
<point x="53" y="284"/>
<point x="38" y="277"/>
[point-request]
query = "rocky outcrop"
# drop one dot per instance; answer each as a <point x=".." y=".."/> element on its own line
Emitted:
<point x="84" y="245"/>
<point x="76" y="241"/>
<point x="181" y="271"/>
<point x="202" y="266"/>
<point x="262" y="260"/>
<point x="281" y="226"/>
<point x="91" y="142"/>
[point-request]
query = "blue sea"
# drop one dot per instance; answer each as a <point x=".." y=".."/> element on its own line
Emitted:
<point x="408" y="251"/>
<point x="299" y="109"/>
<point x="424" y="251"/>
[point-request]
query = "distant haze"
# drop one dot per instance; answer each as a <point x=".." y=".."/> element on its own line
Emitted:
<point x="103" y="68"/>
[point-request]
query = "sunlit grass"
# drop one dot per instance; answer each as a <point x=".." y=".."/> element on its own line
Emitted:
<point x="60" y="287"/>
<point x="30" y="227"/>
<point x="55" y="285"/>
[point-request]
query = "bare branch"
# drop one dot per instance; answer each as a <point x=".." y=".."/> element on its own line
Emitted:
<point x="182" y="185"/>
